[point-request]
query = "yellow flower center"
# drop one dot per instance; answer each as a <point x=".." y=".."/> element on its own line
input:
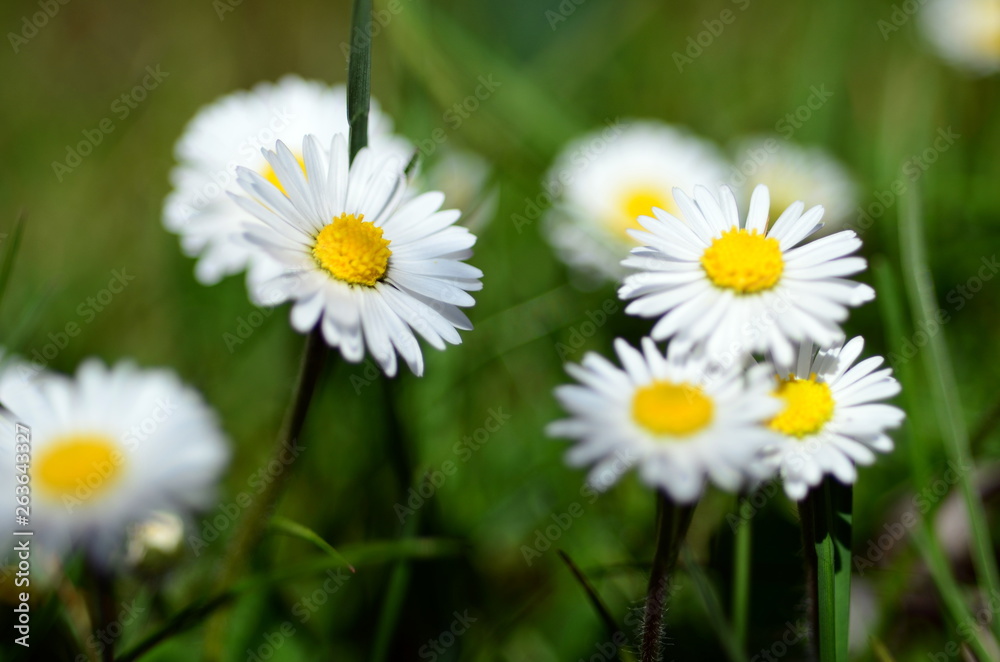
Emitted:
<point x="743" y="261"/>
<point x="672" y="409"/>
<point x="268" y="173"/>
<point x="808" y="406"/>
<point x="352" y="250"/>
<point x="638" y="202"/>
<point x="84" y="464"/>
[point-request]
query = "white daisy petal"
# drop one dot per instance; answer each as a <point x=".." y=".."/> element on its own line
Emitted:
<point x="226" y="135"/>
<point x="772" y="300"/>
<point x="673" y="417"/>
<point x="620" y="179"/>
<point x="110" y="448"/>
<point x="832" y="418"/>
<point x="366" y="285"/>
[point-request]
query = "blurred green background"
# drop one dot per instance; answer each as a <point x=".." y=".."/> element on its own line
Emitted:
<point x="369" y="441"/>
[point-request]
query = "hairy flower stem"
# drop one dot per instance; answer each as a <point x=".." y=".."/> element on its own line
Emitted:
<point x="672" y="524"/>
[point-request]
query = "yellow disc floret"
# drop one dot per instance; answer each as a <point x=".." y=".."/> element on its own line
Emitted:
<point x="638" y="202"/>
<point x="808" y="406"/>
<point x="74" y="465"/>
<point x="665" y="408"/>
<point x="743" y="261"/>
<point x="352" y="250"/>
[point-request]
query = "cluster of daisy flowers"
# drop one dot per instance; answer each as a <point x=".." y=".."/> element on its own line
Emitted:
<point x="757" y="380"/>
<point x="603" y="182"/>
<point x="264" y="183"/>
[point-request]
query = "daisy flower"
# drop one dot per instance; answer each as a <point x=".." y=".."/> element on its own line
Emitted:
<point x="733" y="288"/>
<point x="792" y="172"/>
<point x="608" y="179"/>
<point x="965" y="32"/>
<point x="370" y="269"/>
<point x="833" y="417"/>
<point x="109" y="448"/>
<point x="673" y="417"/>
<point x="229" y="133"/>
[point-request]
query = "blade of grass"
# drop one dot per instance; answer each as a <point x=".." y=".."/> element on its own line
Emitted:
<point x="364" y="554"/>
<point x="296" y="530"/>
<point x="11" y="243"/>
<point x="826" y="524"/>
<point x="596" y="602"/>
<point x="713" y="607"/>
<point x="359" y="75"/>
<point x="944" y="388"/>
<point x="741" y="582"/>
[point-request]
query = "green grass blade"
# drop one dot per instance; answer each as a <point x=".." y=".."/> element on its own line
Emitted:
<point x="944" y="390"/>
<point x="11" y="243"/>
<point x="364" y="555"/>
<point x="359" y="75"/>
<point x="296" y="530"/>
<point x="610" y="624"/>
<point x="741" y="582"/>
<point x="826" y="522"/>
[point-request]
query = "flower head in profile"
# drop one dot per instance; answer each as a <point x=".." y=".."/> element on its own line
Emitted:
<point x="965" y="32"/>
<point x="108" y="448"/>
<point x="371" y="270"/>
<point x="604" y="181"/>
<point x="730" y="287"/>
<point x="677" y="420"/>
<point x="792" y="172"/>
<point x="229" y="133"/>
<point x="833" y="416"/>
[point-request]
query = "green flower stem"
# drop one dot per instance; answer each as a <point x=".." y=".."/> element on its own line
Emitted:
<point x="672" y="524"/>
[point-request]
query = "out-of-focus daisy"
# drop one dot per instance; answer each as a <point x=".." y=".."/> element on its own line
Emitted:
<point x="833" y="417"/>
<point x="733" y="288"/>
<point x="611" y="177"/>
<point x="109" y="448"/>
<point x="673" y="417"/>
<point x="966" y="32"/>
<point x="792" y="172"/>
<point x="372" y="271"/>
<point x="230" y="132"/>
